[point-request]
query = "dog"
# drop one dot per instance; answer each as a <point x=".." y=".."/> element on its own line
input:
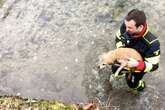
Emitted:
<point x="120" y="55"/>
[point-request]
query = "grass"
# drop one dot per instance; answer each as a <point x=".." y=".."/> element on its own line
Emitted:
<point x="20" y="103"/>
<point x="17" y="103"/>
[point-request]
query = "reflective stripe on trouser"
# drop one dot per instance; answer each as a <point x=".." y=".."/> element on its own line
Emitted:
<point x="133" y="79"/>
<point x="141" y="85"/>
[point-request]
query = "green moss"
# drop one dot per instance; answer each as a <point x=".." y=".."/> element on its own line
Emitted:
<point x="120" y="3"/>
<point x="118" y="9"/>
<point x="1" y="3"/>
<point x="19" y="103"/>
<point x="16" y="103"/>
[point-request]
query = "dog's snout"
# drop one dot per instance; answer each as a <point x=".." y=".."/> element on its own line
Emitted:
<point x="101" y="66"/>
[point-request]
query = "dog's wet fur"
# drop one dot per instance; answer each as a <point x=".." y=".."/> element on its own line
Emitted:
<point x="120" y="55"/>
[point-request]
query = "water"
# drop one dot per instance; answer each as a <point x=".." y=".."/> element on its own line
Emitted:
<point x="49" y="49"/>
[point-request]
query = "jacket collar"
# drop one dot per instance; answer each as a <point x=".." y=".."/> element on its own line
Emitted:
<point x="142" y="33"/>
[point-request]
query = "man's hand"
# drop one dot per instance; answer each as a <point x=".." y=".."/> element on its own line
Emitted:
<point x="132" y="63"/>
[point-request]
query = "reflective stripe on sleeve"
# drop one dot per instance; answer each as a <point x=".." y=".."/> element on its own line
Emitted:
<point x="119" y="44"/>
<point x="118" y="34"/>
<point x="153" y="60"/>
<point x="148" y="67"/>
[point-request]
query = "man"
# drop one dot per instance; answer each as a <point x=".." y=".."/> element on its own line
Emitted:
<point x="134" y="33"/>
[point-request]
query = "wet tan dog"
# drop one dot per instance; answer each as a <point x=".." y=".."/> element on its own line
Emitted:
<point x="121" y="55"/>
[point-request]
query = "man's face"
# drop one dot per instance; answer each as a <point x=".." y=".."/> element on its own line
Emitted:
<point x="131" y="27"/>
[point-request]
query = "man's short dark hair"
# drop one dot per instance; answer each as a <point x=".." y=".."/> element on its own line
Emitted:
<point x="137" y="15"/>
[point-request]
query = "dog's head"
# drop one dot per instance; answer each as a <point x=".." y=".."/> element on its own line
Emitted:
<point x="104" y="59"/>
<point x="107" y="58"/>
<point x="101" y="61"/>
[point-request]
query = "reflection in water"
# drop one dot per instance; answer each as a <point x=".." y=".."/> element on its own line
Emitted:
<point x="43" y="44"/>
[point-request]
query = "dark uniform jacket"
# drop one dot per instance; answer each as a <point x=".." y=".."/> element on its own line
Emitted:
<point x="147" y="45"/>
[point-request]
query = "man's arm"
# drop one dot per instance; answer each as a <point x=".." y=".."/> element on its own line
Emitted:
<point x="152" y="58"/>
<point x="118" y="40"/>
